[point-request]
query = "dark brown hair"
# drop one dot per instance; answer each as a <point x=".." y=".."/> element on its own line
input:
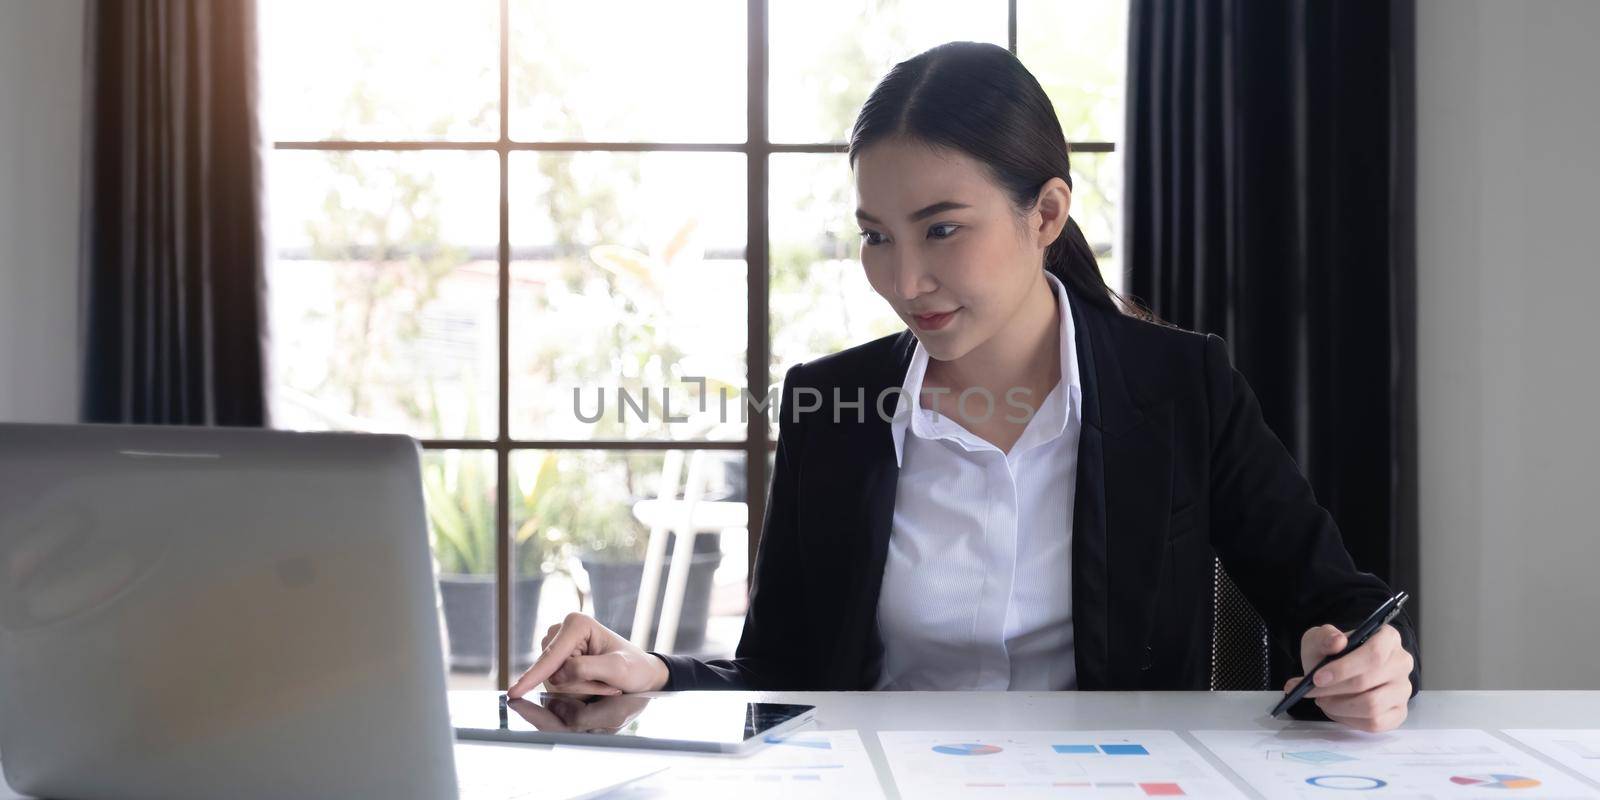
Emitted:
<point x="979" y="99"/>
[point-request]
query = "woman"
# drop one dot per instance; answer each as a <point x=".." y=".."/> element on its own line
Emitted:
<point x="1042" y="509"/>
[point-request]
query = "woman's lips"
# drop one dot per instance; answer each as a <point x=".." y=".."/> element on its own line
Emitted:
<point x="933" y="322"/>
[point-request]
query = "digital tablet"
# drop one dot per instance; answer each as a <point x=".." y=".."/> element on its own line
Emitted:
<point x="709" y="722"/>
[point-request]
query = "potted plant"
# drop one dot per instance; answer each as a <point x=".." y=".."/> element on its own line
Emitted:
<point x="611" y="551"/>
<point x="461" y="513"/>
<point x="634" y="348"/>
<point x="615" y="575"/>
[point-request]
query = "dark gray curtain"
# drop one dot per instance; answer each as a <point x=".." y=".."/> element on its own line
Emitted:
<point x="1269" y="176"/>
<point x="172" y="235"/>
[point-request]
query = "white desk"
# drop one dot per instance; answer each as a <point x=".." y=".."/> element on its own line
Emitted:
<point x="870" y="712"/>
<point x="1182" y="711"/>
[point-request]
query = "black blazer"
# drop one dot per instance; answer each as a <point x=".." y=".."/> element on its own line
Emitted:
<point x="1175" y="465"/>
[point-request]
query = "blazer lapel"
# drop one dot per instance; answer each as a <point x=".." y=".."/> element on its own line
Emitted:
<point x="859" y="657"/>
<point x="1123" y="491"/>
<point x="1090" y="609"/>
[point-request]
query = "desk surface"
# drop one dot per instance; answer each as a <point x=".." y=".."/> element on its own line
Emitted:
<point x="869" y="712"/>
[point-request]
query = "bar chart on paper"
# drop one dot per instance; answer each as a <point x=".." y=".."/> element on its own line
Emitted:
<point x="1577" y="750"/>
<point x="1324" y="762"/>
<point x="807" y="765"/>
<point x="1022" y="764"/>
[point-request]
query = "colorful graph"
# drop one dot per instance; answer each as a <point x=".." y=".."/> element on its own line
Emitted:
<point x="1317" y="757"/>
<point x="1347" y="782"/>
<point x="1495" y="781"/>
<point x="1125" y="763"/>
<point x="1124" y="750"/>
<point x="1161" y="789"/>
<point x="1577" y="750"/>
<point x="1107" y="749"/>
<point x="966" y="749"/>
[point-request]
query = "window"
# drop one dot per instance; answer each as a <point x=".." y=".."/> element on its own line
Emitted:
<point x="547" y="244"/>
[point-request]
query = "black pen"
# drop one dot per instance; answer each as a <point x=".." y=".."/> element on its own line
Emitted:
<point x="1358" y="637"/>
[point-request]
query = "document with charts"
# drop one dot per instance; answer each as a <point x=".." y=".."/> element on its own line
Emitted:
<point x="1022" y="764"/>
<point x="1578" y="750"/>
<point x="1325" y="760"/>
<point x="826" y="765"/>
<point x="501" y="771"/>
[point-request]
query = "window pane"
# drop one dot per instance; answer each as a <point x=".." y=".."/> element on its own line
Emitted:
<point x="383" y="291"/>
<point x="667" y="72"/>
<point x="582" y="524"/>
<point x="826" y="55"/>
<point x="821" y="301"/>
<point x="1078" y="49"/>
<point x="1096" y="199"/>
<point x="380" y="69"/>
<point x="628" y="283"/>
<point x="459" y="486"/>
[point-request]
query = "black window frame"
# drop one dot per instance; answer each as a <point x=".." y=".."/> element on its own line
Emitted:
<point x="757" y="148"/>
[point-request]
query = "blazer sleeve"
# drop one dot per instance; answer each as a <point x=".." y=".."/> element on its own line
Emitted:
<point x="1279" y="545"/>
<point x="772" y="648"/>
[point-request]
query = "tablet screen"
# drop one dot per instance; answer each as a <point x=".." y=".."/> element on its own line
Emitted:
<point x="703" y="720"/>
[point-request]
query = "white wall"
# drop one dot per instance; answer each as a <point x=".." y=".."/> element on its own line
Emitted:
<point x="41" y="87"/>
<point x="1508" y="284"/>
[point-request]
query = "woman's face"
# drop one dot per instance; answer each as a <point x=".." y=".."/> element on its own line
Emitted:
<point x="942" y="243"/>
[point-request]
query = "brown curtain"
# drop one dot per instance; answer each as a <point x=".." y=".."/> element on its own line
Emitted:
<point x="173" y="306"/>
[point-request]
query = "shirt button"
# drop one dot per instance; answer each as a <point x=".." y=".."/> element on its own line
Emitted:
<point x="1148" y="658"/>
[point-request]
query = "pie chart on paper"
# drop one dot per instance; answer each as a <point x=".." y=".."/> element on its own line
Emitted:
<point x="1495" y="781"/>
<point x="966" y="749"/>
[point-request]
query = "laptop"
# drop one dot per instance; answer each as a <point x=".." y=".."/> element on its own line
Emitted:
<point x="202" y="612"/>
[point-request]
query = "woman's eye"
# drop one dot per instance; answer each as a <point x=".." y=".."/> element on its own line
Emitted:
<point x="950" y="230"/>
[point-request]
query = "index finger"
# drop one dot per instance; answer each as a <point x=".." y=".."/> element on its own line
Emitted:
<point x="551" y="660"/>
<point x="1371" y="654"/>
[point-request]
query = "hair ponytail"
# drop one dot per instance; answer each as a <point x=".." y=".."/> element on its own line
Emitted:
<point x="1072" y="261"/>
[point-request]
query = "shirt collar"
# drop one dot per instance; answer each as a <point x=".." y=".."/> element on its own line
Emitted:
<point x="908" y="414"/>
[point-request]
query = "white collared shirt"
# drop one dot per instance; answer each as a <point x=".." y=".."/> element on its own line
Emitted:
<point x="977" y="589"/>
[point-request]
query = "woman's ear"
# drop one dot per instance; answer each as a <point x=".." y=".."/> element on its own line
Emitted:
<point x="1050" y="210"/>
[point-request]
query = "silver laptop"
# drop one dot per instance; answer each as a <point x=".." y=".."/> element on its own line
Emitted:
<point x="211" y="613"/>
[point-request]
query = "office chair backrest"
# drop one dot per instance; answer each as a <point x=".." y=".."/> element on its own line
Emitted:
<point x="1239" y="654"/>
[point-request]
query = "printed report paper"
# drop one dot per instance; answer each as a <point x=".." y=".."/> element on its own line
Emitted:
<point x="1022" y="764"/>
<point x="1328" y="761"/>
<point x="824" y="765"/>
<point x="1577" y="750"/>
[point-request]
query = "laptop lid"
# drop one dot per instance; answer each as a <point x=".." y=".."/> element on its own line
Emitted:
<point x="190" y="612"/>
